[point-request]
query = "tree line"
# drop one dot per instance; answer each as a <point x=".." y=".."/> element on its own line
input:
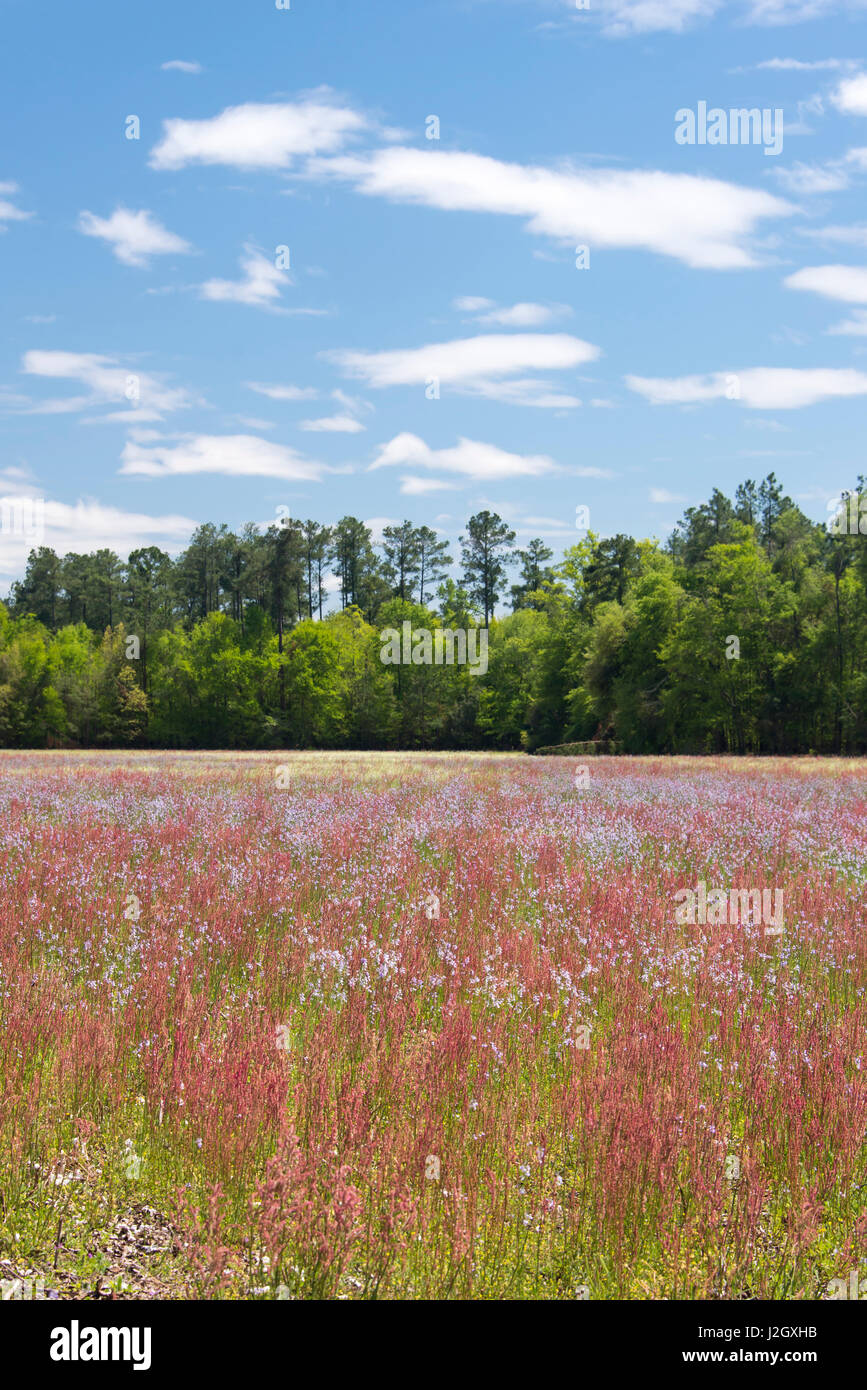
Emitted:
<point x="746" y="632"/>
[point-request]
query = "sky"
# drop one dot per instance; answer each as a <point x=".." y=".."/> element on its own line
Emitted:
<point x="404" y="260"/>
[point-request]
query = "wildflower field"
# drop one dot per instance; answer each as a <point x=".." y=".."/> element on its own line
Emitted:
<point x="428" y="1026"/>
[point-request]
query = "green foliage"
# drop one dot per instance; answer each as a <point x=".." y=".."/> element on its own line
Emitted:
<point x="485" y="551"/>
<point x="747" y="633"/>
<point x="593" y="747"/>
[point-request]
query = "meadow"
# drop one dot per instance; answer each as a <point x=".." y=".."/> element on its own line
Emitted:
<point x="368" y="1025"/>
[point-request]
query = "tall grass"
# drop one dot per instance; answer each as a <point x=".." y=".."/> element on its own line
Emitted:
<point x="427" y="1027"/>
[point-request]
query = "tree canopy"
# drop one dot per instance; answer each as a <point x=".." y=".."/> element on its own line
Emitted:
<point x="745" y="633"/>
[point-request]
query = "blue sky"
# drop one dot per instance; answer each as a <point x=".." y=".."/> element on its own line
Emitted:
<point x="431" y="348"/>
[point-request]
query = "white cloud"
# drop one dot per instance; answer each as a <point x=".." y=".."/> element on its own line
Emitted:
<point x="484" y="365"/>
<point x="759" y="388"/>
<point x="856" y="326"/>
<point x="133" y="236"/>
<point x="254" y="422"/>
<point x="703" y="222"/>
<point x="549" y="523"/>
<point x="587" y="471"/>
<point x="523" y="391"/>
<point x="237" y="455"/>
<point x="800" y="178"/>
<point x="376" y="524"/>
<point x="354" y="404"/>
<point x="798" y="65"/>
<point x="257" y="136"/>
<point x="523" y="315"/>
<point x="844" y="282"/>
<point x="545" y="527"/>
<point x="469" y="458"/>
<point x="17" y="482"/>
<point x="180" y="65"/>
<point x="625" y="17"/>
<point x="346" y="421"/>
<point x="775" y="13"/>
<point x="8" y="211"/>
<point x="823" y="178"/>
<point x="811" y="106"/>
<point x="88" y="526"/>
<point x="283" y="393"/>
<point x="850" y="96"/>
<point x="847" y="236"/>
<point x="661" y="495"/>
<point x="261" y="284"/>
<point x="412" y="486"/>
<point x="106" y="382"/>
<point x="472" y="303"/>
<point x="334" y="424"/>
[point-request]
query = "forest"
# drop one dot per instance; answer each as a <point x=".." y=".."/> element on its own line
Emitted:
<point x="746" y="632"/>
